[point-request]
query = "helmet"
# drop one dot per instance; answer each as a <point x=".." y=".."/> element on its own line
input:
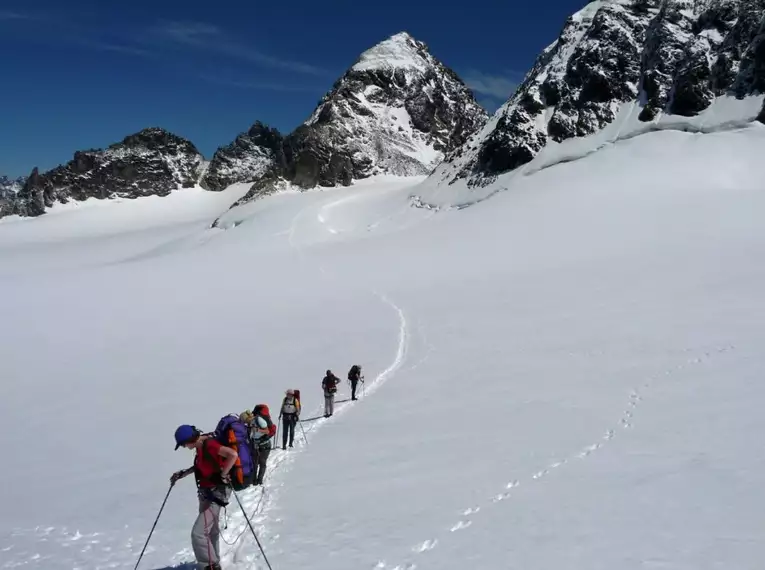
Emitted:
<point x="290" y="392"/>
<point x="329" y="373"/>
<point x="185" y="434"/>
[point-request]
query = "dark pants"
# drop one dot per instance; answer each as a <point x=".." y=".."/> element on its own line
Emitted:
<point x="353" y="389"/>
<point x="259" y="459"/>
<point x="288" y="429"/>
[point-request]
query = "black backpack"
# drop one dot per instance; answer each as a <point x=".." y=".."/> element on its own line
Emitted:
<point x="353" y="373"/>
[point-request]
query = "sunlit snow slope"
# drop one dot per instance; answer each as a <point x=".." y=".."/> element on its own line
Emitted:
<point x="565" y="375"/>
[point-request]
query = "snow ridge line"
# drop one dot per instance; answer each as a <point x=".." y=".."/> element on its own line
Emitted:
<point x="625" y="422"/>
<point x="534" y="166"/>
<point x="259" y="501"/>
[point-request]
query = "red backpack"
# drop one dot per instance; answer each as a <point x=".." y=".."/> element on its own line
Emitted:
<point x="263" y="411"/>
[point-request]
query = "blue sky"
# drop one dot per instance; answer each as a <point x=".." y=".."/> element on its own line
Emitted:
<point x="85" y="73"/>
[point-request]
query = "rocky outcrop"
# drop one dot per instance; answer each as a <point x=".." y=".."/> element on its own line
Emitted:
<point x="397" y="110"/>
<point x="9" y="187"/>
<point x="667" y="56"/>
<point x="244" y="160"/>
<point x="152" y="162"/>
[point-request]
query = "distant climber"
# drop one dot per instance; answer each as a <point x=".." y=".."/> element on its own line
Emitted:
<point x="329" y="383"/>
<point x="212" y="466"/>
<point x="290" y="415"/>
<point x="354" y="375"/>
<point x="262" y="429"/>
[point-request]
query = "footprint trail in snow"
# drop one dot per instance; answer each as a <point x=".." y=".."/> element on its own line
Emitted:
<point x="625" y="422"/>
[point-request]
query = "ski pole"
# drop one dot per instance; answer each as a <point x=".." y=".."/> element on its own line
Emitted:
<point x="303" y="430"/>
<point x="260" y="546"/>
<point x="148" y="538"/>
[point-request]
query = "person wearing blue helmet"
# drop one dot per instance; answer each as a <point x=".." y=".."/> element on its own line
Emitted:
<point x="212" y="464"/>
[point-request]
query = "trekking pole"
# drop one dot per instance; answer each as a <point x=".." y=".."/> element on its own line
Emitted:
<point x="303" y="430"/>
<point x="260" y="546"/>
<point x="148" y="538"/>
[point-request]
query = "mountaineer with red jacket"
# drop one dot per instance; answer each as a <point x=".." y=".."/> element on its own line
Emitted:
<point x="212" y="464"/>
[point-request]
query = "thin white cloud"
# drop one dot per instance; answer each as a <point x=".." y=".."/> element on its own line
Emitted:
<point x="257" y="85"/>
<point x="496" y="86"/>
<point x="210" y="38"/>
<point x="109" y="46"/>
<point x="11" y="15"/>
<point x="191" y="33"/>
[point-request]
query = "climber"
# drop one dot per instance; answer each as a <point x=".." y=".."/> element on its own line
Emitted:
<point x="354" y="375"/>
<point x="329" y="383"/>
<point x="290" y="415"/>
<point x="211" y="468"/>
<point x="262" y="429"/>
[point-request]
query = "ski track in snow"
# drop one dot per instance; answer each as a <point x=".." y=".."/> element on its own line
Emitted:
<point x="258" y="501"/>
<point x="698" y="356"/>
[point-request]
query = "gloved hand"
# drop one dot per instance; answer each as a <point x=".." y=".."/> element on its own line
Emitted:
<point x="226" y="478"/>
<point x="177" y="475"/>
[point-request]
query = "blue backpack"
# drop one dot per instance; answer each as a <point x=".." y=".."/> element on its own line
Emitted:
<point x="233" y="433"/>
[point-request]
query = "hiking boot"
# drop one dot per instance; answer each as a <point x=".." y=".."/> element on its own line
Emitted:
<point x="290" y="445"/>
<point x="284" y="447"/>
<point x="212" y="567"/>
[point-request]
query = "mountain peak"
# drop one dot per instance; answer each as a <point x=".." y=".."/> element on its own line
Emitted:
<point x="151" y="162"/>
<point x="397" y="110"/>
<point x="400" y="50"/>
<point x="625" y="66"/>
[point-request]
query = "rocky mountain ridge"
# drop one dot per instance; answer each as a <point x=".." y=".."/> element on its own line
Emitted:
<point x="150" y="162"/>
<point x="397" y="110"/>
<point x="10" y="186"/>
<point x="667" y="56"/>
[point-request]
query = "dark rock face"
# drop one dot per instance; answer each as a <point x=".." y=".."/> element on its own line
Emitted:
<point x="9" y="187"/>
<point x="244" y="160"/>
<point x="669" y="56"/>
<point x="152" y="162"/>
<point x="398" y="110"/>
<point x="751" y="76"/>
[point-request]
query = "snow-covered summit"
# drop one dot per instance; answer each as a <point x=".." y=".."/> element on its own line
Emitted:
<point x="397" y="110"/>
<point x="398" y="51"/>
<point x="661" y="57"/>
<point x="150" y="162"/>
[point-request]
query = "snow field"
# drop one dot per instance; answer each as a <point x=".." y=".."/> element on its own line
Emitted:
<point x="565" y="374"/>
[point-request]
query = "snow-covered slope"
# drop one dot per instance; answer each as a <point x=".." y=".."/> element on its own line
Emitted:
<point x="396" y="111"/>
<point x="568" y="376"/>
<point x="660" y="57"/>
<point x="152" y="162"/>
